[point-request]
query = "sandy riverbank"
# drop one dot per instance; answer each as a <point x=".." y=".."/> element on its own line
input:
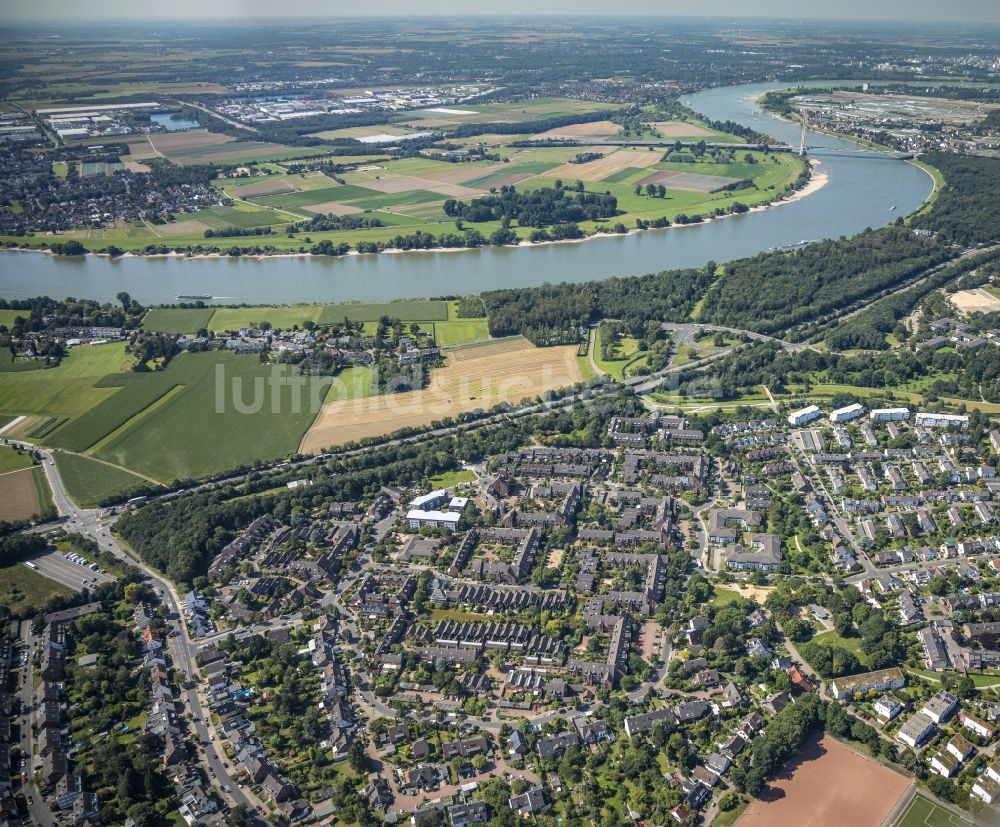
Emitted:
<point x="817" y="181"/>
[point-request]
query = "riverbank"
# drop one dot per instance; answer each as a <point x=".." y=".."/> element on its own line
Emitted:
<point x="816" y="181"/>
<point x="935" y="174"/>
<point x="844" y="196"/>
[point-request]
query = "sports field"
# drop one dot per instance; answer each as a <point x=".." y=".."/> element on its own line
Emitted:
<point x="922" y="812"/>
<point x="827" y="785"/>
<point x="975" y="301"/>
<point x="477" y="376"/>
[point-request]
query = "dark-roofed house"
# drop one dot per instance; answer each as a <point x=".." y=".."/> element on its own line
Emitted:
<point x="556" y="745"/>
<point x="472" y="812"/>
<point x="528" y="803"/>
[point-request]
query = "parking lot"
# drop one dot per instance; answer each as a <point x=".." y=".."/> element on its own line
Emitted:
<point x="73" y="575"/>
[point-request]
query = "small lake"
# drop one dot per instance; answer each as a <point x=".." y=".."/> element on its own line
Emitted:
<point x="173" y="122"/>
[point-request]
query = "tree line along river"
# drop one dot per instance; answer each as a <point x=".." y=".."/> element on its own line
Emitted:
<point x="863" y="188"/>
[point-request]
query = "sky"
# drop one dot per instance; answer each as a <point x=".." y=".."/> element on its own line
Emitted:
<point x="960" y="11"/>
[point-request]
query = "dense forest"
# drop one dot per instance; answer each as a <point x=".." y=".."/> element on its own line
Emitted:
<point x="537" y="208"/>
<point x="769" y="293"/>
<point x="540" y="312"/>
<point x="772" y="292"/>
<point x="867" y="330"/>
<point x="966" y="209"/>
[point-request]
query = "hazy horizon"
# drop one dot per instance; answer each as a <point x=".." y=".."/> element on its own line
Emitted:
<point x="915" y="11"/>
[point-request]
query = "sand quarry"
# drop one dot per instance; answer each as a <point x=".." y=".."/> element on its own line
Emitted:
<point x="478" y="376"/>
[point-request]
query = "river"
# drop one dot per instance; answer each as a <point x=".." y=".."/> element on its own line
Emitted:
<point x="861" y="190"/>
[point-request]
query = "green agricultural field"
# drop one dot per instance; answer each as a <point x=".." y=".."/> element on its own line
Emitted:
<point x="460" y="331"/>
<point x="11" y="460"/>
<point x="24" y="590"/>
<point x="296" y="200"/>
<point x="138" y="391"/>
<point x="922" y="812"/>
<point x="626" y="175"/>
<point x="350" y="383"/>
<point x="301" y="181"/>
<point x="406" y="311"/>
<point x="90" y="482"/>
<point x="46" y="505"/>
<point x="381" y="200"/>
<point x="283" y="318"/>
<point x="232" y="411"/>
<point x="242" y="152"/>
<point x="526" y="111"/>
<point x="64" y="391"/>
<point x="178" y="319"/>
<point x="243" y="216"/>
<point x="7" y="317"/>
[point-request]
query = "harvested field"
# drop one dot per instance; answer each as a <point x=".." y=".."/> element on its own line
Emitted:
<point x="428" y="122"/>
<point x="462" y="173"/>
<point x="680" y="129"/>
<point x="178" y="142"/>
<point x="401" y="183"/>
<point x="478" y="376"/>
<point x="186" y="227"/>
<point x="265" y="188"/>
<point x="332" y="208"/>
<point x="603" y="167"/>
<point x="453" y="190"/>
<point x="510" y="180"/>
<point x="697" y="182"/>
<point x="975" y="301"/>
<point x="18" y="495"/>
<point x="136" y="166"/>
<point x="658" y="177"/>
<point x="827" y="785"/>
<point x="409" y="183"/>
<point x="242" y="150"/>
<point x="594" y="129"/>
